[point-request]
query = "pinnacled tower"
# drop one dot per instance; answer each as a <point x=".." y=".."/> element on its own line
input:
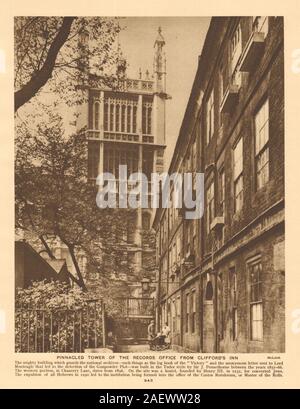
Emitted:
<point x="160" y="96"/>
<point x="126" y="126"/>
<point x="159" y="66"/>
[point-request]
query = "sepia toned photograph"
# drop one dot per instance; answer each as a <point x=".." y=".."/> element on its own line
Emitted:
<point x="149" y="184"/>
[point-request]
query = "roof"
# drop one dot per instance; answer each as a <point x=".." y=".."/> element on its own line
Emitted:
<point x="57" y="264"/>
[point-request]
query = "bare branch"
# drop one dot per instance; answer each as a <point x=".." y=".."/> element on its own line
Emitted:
<point x="41" y="77"/>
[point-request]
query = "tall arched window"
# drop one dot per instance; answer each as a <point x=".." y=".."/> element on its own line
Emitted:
<point x="112" y="117"/>
<point x="129" y="119"/>
<point x="123" y="118"/>
<point x="144" y="120"/>
<point x="149" y="121"/>
<point x="134" y="119"/>
<point x="209" y="293"/>
<point x="96" y="115"/>
<point x="117" y="118"/>
<point x="106" y="117"/>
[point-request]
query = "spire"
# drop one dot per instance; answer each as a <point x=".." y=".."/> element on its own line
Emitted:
<point x="159" y="66"/>
<point x="159" y="39"/>
<point x="83" y="50"/>
<point x="121" y="66"/>
<point x="121" y="60"/>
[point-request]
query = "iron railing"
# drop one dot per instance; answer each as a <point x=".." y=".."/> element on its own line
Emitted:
<point x="60" y="330"/>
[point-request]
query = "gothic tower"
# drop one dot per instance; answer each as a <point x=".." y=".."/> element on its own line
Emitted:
<point x="126" y="125"/>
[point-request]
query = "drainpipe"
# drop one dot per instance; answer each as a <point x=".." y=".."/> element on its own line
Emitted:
<point x="215" y="296"/>
<point x="159" y="275"/>
<point x="213" y="272"/>
<point x="158" y="304"/>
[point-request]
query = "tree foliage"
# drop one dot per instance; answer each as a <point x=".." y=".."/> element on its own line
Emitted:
<point x="62" y="52"/>
<point x="49" y="314"/>
<point x="54" y="198"/>
<point x="57" y="58"/>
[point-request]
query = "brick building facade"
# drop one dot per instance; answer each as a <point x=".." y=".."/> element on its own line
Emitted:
<point x="221" y="277"/>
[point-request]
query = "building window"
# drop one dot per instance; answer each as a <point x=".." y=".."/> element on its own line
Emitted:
<point x="256" y="307"/>
<point x="123" y="116"/>
<point x="236" y="48"/>
<point x="105" y="117"/>
<point x="209" y="291"/>
<point x="93" y="158"/>
<point x="260" y="24"/>
<point x="149" y="121"/>
<point x="187" y="311"/>
<point x="118" y="118"/>
<point x="210" y="117"/>
<point x="193" y="312"/>
<point x="146" y="119"/>
<point x="233" y="285"/>
<point x="129" y="119"/>
<point x="112" y="117"/>
<point x="210" y="206"/>
<point x="134" y="119"/>
<point x="120" y="155"/>
<point x="262" y="145"/>
<point x="224" y="77"/>
<point x="96" y="115"/>
<point x="238" y="175"/>
<point x="222" y="191"/>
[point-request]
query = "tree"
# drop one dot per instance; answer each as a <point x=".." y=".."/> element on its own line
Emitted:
<point x="51" y="316"/>
<point x="59" y="52"/>
<point x="55" y="200"/>
<point x="60" y="57"/>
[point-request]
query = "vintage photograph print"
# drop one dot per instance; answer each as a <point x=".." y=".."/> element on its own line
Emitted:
<point x="149" y="184"/>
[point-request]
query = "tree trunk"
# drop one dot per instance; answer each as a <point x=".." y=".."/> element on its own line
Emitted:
<point x="47" y="248"/>
<point x="74" y="279"/>
<point x="40" y="78"/>
<point x="80" y="280"/>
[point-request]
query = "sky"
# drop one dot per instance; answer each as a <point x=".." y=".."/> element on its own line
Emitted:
<point x="184" y="37"/>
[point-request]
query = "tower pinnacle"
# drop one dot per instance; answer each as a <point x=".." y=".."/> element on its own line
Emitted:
<point x="159" y="66"/>
<point x="159" y="39"/>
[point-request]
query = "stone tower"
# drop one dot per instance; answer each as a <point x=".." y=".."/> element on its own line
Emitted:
<point x="126" y="125"/>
